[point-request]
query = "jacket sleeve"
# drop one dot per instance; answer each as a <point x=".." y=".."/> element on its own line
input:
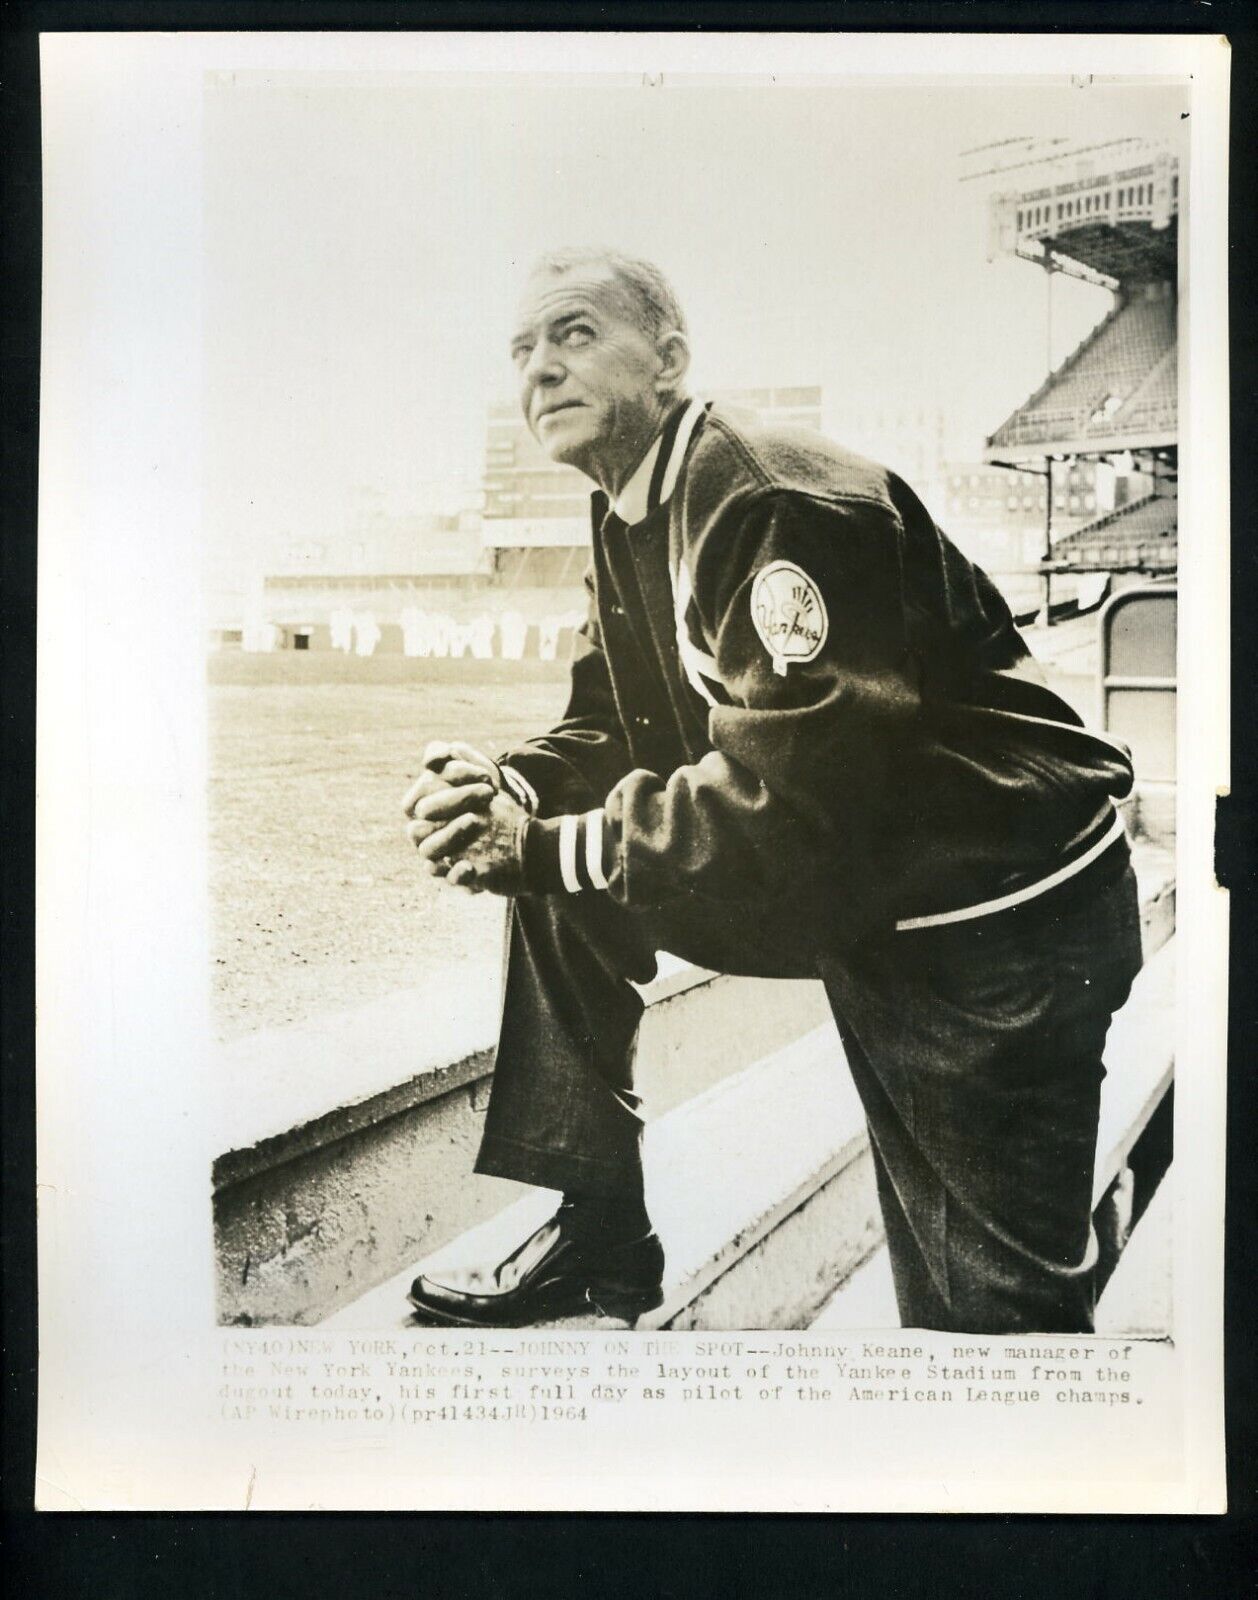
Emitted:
<point x="584" y="755"/>
<point x="798" y="625"/>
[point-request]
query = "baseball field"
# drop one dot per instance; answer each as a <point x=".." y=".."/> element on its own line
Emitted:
<point x="318" y="900"/>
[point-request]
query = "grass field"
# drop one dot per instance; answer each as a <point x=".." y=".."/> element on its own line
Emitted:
<point x="318" y="899"/>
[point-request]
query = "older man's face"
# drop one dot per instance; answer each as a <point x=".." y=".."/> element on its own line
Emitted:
<point x="587" y="373"/>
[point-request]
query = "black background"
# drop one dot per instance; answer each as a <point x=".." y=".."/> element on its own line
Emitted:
<point x="116" y="1557"/>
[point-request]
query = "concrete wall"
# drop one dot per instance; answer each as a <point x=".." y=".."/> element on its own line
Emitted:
<point x="306" y="1233"/>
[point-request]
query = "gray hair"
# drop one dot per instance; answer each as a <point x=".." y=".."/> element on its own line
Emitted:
<point x="652" y="300"/>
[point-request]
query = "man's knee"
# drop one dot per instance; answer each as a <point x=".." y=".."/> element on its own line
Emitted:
<point x="578" y="934"/>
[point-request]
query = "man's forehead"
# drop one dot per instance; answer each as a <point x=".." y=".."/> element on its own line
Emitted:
<point x="549" y="294"/>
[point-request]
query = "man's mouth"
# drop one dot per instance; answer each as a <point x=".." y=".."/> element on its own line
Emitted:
<point x="563" y="405"/>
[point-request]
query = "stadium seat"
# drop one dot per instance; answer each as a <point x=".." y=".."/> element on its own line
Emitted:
<point x="1141" y="536"/>
<point x="1121" y="379"/>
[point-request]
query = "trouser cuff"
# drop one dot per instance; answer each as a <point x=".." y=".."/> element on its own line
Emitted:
<point x="560" y="1169"/>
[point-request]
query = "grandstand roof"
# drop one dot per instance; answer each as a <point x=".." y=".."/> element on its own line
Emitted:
<point x="1119" y="225"/>
<point x="1133" y="252"/>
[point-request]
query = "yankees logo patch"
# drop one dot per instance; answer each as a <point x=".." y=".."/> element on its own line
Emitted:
<point x="789" y="614"/>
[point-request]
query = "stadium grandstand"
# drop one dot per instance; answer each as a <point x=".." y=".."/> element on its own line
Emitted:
<point x="1113" y="400"/>
<point x="1139" y="537"/>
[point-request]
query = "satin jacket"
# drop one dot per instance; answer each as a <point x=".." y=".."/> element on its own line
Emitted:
<point x="792" y="686"/>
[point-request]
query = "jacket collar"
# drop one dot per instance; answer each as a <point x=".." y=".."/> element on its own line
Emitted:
<point x="656" y="475"/>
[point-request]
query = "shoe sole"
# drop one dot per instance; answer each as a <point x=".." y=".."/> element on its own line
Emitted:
<point x="611" y="1305"/>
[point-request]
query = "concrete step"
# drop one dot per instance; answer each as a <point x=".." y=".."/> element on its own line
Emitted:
<point x="1137" y="1300"/>
<point x="865" y="1300"/>
<point x="761" y="1189"/>
<point x="1140" y="1066"/>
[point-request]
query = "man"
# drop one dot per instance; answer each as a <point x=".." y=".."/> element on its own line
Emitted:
<point x="803" y="738"/>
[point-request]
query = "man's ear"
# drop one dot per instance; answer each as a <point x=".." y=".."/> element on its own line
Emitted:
<point x="674" y="357"/>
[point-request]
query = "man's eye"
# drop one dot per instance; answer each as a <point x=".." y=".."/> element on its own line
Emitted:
<point x="578" y="333"/>
<point x="521" y="353"/>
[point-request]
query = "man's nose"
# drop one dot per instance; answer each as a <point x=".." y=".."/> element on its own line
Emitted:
<point x="543" y="364"/>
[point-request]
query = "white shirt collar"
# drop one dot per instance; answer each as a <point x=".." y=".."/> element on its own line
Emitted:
<point x="635" y="501"/>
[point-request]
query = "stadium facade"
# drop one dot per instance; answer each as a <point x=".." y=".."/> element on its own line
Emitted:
<point x="998" y="520"/>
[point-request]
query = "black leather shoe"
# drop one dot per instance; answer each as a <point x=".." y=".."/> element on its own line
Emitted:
<point x="559" y="1271"/>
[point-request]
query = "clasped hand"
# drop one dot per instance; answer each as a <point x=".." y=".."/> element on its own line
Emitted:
<point x="467" y="829"/>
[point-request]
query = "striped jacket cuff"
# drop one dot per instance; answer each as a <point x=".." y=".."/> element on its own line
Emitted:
<point x="566" y="853"/>
<point x="519" y="788"/>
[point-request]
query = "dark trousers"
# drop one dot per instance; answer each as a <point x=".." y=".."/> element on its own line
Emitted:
<point x="976" y="1049"/>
